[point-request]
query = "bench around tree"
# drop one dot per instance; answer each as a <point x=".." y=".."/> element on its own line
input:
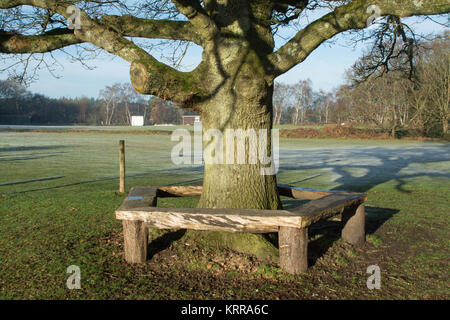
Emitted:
<point x="139" y="212"/>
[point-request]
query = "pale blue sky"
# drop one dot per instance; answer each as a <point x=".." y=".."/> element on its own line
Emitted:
<point x="325" y="67"/>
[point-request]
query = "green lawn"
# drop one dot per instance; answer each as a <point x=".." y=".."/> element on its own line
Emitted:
<point x="59" y="195"/>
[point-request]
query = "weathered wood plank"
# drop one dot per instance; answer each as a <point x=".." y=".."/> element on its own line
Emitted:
<point x="354" y="221"/>
<point x="301" y="193"/>
<point x="327" y="207"/>
<point x="230" y="220"/>
<point x="137" y="202"/>
<point x="238" y="220"/>
<point x="135" y="235"/>
<point x="293" y="246"/>
<point x="195" y="191"/>
<point x="307" y="194"/>
<point x="180" y="191"/>
<point x="149" y="191"/>
<point x="139" y="197"/>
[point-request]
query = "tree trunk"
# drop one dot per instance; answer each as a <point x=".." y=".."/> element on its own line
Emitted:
<point x="248" y="109"/>
<point x="296" y="116"/>
<point x="243" y="103"/>
<point x="303" y="115"/>
<point x="445" y="125"/>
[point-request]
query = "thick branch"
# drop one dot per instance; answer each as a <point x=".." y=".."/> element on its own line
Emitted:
<point x="8" y="4"/>
<point x="56" y="39"/>
<point x="152" y="29"/>
<point x="199" y="18"/>
<point x="148" y="75"/>
<point x="91" y="31"/>
<point x="353" y="15"/>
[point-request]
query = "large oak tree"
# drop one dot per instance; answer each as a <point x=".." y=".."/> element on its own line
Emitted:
<point x="232" y="87"/>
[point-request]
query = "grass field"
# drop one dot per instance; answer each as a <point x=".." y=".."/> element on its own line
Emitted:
<point x="59" y="196"/>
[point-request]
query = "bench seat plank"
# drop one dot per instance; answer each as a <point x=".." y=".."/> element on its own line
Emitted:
<point x="139" y="197"/>
<point x="150" y="191"/>
<point x="239" y="220"/>
<point x="180" y="191"/>
<point x="306" y="193"/>
<point x="195" y="191"/>
<point x="230" y="220"/>
<point x="137" y="202"/>
<point x="327" y="207"/>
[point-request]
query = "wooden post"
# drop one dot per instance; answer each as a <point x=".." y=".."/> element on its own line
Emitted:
<point x="122" y="167"/>
<point x="135" y="234"/>
<point x="293" y="245"/>
<point x="354" y="221"/>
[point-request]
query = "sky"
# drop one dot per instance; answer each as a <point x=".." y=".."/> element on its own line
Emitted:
<point x="325" y="66"/>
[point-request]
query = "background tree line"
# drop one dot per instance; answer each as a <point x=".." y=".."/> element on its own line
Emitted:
<point x="115" y="105"/>
<point x="395" y="101"/>
<point x="407" y="98"/>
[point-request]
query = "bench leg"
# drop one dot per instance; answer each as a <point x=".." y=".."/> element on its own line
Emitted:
<point x="293" y="245"/>
<point x="354" y="221"/>
<point x="135" y="234"/>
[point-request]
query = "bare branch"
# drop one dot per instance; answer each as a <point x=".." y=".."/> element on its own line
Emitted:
<point x="353" y="15"/>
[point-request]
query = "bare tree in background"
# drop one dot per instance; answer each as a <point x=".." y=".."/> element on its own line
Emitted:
<point x="394" y="102"/>
<point x="111" y="97"/>
<point x="434" y="78"/>
<point x="324" y="104"/>
<point x="302" y="93"/>
<point x="280" y="96"/>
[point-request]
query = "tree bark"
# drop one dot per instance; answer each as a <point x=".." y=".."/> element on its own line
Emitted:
<point x="444" y="125"/>
<point x="240" y="185"/>
<point x="241" y="101"/>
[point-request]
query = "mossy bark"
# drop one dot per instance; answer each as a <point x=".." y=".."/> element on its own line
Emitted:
<point x="242" y="101"/>
<point x="244" y="111"/>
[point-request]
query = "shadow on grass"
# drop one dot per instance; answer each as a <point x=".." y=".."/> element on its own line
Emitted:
<point x="373" y="165"/>
<point x="28" y="158"/>
<point x="32" y="156"/>
<point x="30" y="181"/>
<point x="32" y="148"/>
<point x="163" y="242"/>
<point x="326" y="233"/>
<point x="77" y="183"/>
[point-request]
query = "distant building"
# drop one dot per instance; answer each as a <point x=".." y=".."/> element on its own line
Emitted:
<point x="137" y="121"/>
<point x="191" y="120"/>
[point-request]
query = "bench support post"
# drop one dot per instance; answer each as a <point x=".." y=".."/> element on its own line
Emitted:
<point x="353" y="221"/>
<point x="293" y="245"/>
<point x="135" y="234"/>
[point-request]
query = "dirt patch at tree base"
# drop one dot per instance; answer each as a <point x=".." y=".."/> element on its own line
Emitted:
<point x="337" y="271"/>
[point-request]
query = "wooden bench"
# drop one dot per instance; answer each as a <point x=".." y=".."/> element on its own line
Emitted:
<point x="139" y="212"/>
